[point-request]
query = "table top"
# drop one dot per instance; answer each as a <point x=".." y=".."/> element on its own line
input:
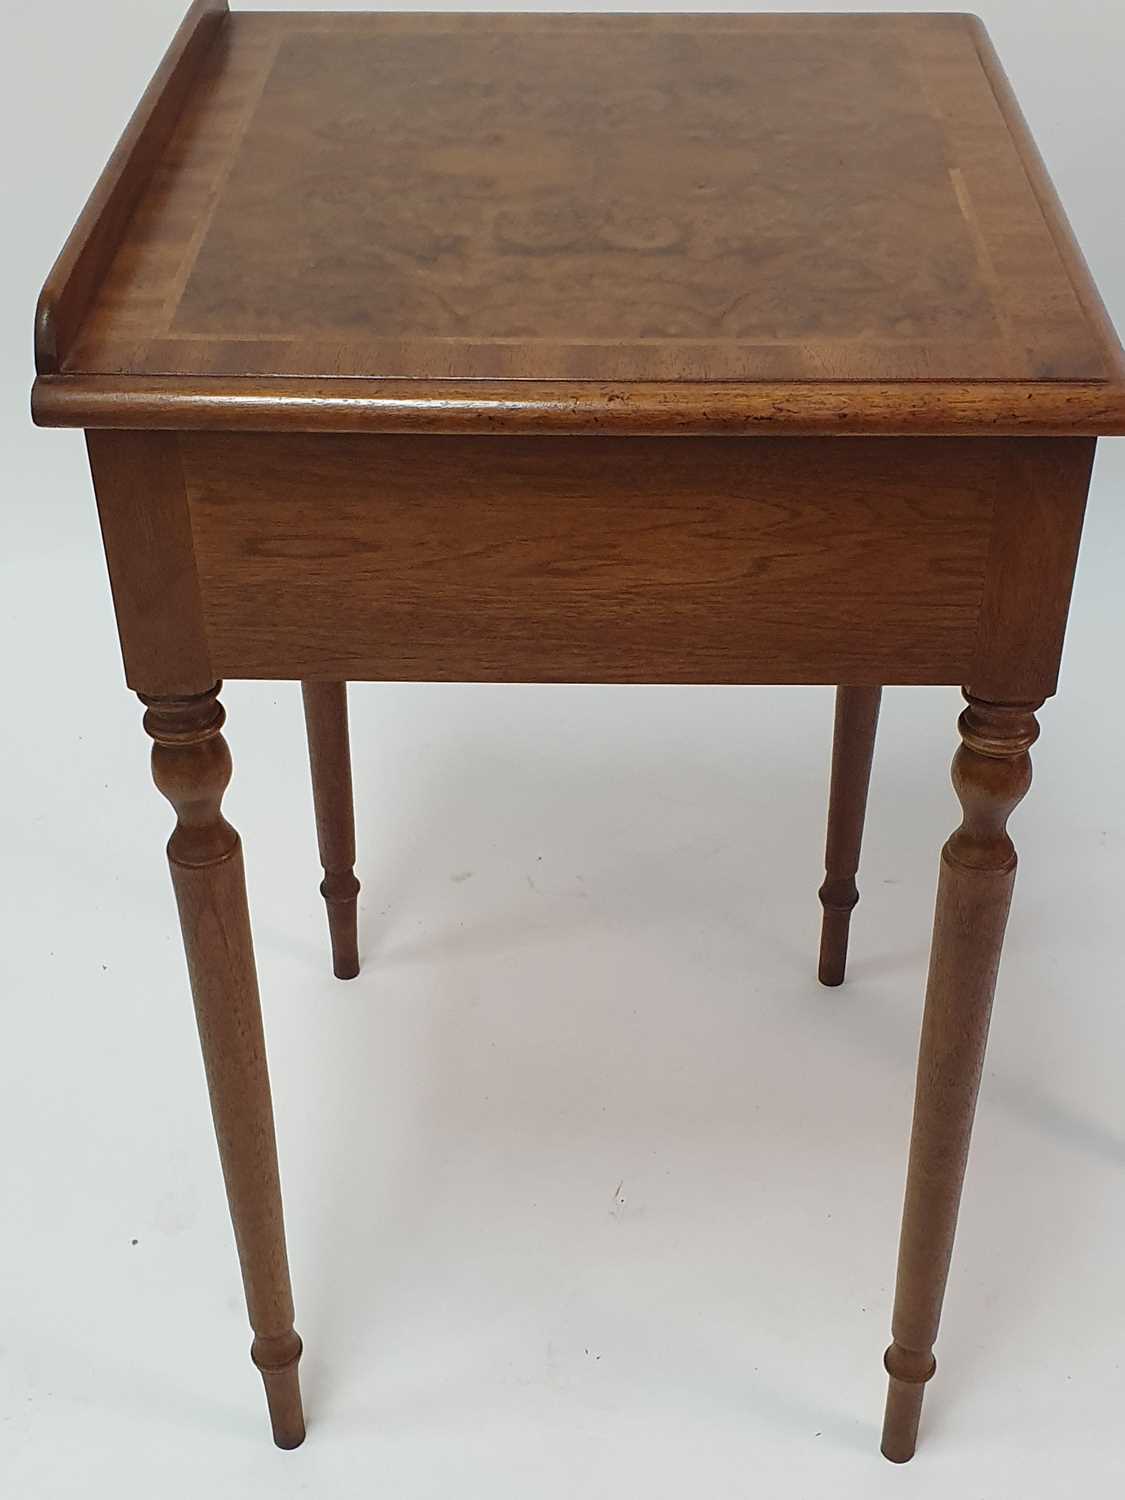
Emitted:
<point x="709" y="222"/>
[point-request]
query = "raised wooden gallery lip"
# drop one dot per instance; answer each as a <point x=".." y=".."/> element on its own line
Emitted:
<point x="292" y="235"/>
<point x="95" y="239"/>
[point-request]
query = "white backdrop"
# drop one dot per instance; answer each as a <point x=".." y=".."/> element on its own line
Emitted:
<point x="591" y="1190"/>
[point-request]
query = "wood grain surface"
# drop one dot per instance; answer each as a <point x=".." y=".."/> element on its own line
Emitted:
<point x="439" y="347"/>
<point x="150" y="554"/>
<point x="191" y="766"/>
<point x="607" y="560"/>
<point x="279" y="403"/>
<point x="991" y="776"/>
<point x="101" y="227"/>
<point x="853" y="748"/>
<point x="330" y="761"/>
<point x="844" y="202"/>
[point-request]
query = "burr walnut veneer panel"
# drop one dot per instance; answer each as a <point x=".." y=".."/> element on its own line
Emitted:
<point x="593" y="197"/>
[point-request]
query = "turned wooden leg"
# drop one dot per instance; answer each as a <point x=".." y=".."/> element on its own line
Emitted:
<point x="853" y="746"/>
<point x="326" y="719"/>
<point x="991" y="775"/>
<point x="191" y="766"/>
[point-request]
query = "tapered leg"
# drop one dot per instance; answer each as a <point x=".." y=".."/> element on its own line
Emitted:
<point x="853" y="746"/>
<point x="991" y="775"/>
<point x="326" y="719"/>
<point x="191" y="766"/>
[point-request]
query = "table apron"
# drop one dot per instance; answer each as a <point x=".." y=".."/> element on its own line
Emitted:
<point x="591" y="559"/>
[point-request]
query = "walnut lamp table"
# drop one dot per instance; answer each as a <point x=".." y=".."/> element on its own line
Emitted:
<point x="584" y="348"/>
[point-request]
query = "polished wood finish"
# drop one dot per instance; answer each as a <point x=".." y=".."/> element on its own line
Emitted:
<point x="683" y="562"/>
<point x="584" y="348"/>
<point x="149" y="547"/>
<point x="191" y="767"/>
<point x="326" y="721"/>
<point x="853" y="746"/>
<point x="438" y="208"/>
<point x="93" y="243"/>
<point x="991" y="776"/>
<point x="565" y="560"/>
<point x="532" y="407"/>
<point x="1034" y="551"/>
<point x="531" y="216"/>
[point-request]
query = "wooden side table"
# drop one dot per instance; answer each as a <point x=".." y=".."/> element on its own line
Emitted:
<point x="723" y="349"/>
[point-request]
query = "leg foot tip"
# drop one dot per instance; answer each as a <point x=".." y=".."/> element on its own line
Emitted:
<point x="833" y="962"/>
<point x="345" y="954"/>
<point x="277" y="1357"/>
<point x="833" y="959"/>
<point x="342" y="930"/>
<point x="904" y="1400"/>
<point x="896" y="1455"/>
